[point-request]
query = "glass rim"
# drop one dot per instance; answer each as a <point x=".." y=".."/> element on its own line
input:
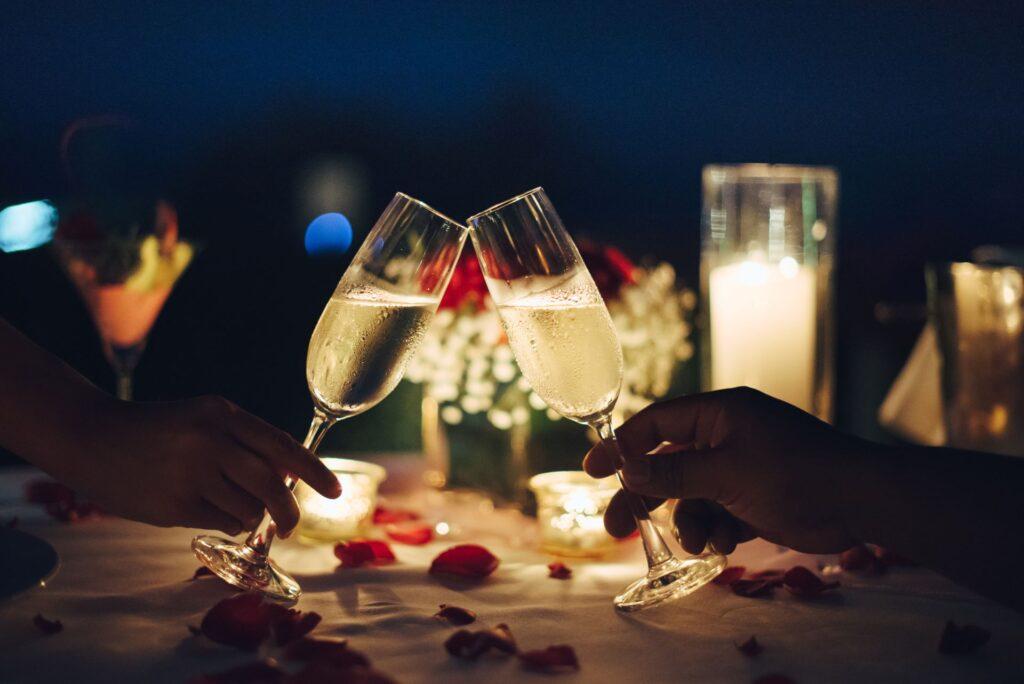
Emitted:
<point x="431" y="209"/>
<point x="767" y="171"/>
<point x="505" y="203"/>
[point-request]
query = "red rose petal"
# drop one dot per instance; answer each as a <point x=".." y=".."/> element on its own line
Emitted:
<point x="471" y="645"/>
<point x="729" y="575"/>
<point x="48" y="491"/>
<point x="413" y="533"/>
<point x="260" y="672"/>
<point x="559" y="570"/>
<point x="465" y="560"/>
<point x="241" y="621"/>
<point x="553" y="659"/>
<point x="750" y="648"/>
<point x="774" y="678"/>
<point x="325" y="650"/>
<point x="960" y="640"/>
<point x="773" y="577"/>
<point x="387" y="516"/>
<point x="800" y="581"/>
<point x="201" y="571"/>
<point x="860" y="558"/>
<point x="357" y="553"/>
<point x="455" y="615"/>
<point x="45" y="626"/>
<point x="751" y="588"/>
<point x="893" y="559"/>
<point x="288" y="624"/>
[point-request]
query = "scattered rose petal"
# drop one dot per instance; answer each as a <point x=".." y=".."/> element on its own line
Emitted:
<point x="960" y="640"/>
<point x="892" y="559"/>
<point x="471" y="645"/>
<point x="355" y="554"/>
<point x="48" y="491"/>
<point x="729" y="575"/>
<point x="387" y="516"/>
<point x="241" y="621"/>
<point x="201" y="571"/>
<point x="751" y="588"/>
<point x="750" y="648"/>
<point x="260" y="672"/>
<point x="559" y="570"/>
<point x="465" y="560"/>
<point x="45" y="626"/>
<point x="860" y="558"/>
<point x="773" y="577"/>
<point x="330" y="672"/>
<point x="774" y="678"/>
<point x="413" y="533"/>
<point x="800" y="581"/>
<point x="288" y="624"/>
<point x="325" y="650"/>
<point x="553" y="659"/>
<point x="454" y="615"/>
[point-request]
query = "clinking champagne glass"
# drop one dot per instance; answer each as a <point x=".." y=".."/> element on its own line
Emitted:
<point x="368" y="331"/>
<point x="565" y="344"/>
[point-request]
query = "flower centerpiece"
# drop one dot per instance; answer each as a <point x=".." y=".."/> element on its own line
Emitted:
<point x="483" y="426"/>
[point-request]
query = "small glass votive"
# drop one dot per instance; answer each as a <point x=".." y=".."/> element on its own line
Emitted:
<point x="329" y="520"/>
<point x="570" y="512"/>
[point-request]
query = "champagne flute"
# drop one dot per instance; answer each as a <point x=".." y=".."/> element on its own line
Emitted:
<point x="565" y="344"/>
<point x="368" y="331"/>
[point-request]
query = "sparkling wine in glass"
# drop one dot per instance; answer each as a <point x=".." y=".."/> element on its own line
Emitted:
<point x="566" y="346"/>
<point x="366" y="334"/>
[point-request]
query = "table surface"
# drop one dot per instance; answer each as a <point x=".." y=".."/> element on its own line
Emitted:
<point x="123" y="598"/>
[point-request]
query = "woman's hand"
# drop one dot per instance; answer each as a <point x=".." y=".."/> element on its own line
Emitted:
<point x="742" y="465"/>
<point x="197" y="463"/>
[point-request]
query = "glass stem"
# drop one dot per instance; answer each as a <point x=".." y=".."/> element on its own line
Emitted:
<point x="262" y="537"/>
<point x="654" y="545"/>
<point x="124" y="385"/>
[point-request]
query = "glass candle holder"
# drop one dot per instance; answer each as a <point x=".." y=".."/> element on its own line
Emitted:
<point x="331" y="520"/>
<point x="978" y="313"/>
<point x="767" y="253"/>
<point x="570" y="512"/>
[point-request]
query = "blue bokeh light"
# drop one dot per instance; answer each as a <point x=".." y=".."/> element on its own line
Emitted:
<point x="328" y="234"/>
<point x="28" y="225"/>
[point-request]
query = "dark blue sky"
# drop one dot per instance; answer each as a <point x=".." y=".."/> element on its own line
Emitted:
<point x="613" y="107"/>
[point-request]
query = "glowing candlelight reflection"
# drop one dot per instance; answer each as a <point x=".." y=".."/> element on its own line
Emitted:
<point x="327" y="520"/>
<point x="570" y="512"/>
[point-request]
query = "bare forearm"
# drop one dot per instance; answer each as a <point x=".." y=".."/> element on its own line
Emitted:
<point x="46" y="408"/>
<point x="957" y="512"/>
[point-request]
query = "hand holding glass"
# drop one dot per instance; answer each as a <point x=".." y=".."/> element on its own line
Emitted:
<point x="368" y="331"/>
<point x="566" y="346"/>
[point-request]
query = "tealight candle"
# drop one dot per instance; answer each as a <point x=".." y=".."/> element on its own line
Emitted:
<point x="570" y="512"/>
<point x="327" y="520"/>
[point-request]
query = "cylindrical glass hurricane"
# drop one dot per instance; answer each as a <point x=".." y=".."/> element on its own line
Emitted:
<point x="767" y="255"/>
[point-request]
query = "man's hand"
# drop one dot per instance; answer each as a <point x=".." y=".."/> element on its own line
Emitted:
<point x="198" y="463"/>
<point x="743" y="465"/>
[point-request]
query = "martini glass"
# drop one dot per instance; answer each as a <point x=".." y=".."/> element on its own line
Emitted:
<point x="366" y="334"/>
<point x="124" y="281"/>
<point x="566" y="346"/>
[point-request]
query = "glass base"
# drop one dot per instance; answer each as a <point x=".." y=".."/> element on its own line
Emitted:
<point x="241" y="567"/>
<point x="670" y="580"/>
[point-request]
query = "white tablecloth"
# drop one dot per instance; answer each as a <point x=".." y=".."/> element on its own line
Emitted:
<point x="124" y="602"/>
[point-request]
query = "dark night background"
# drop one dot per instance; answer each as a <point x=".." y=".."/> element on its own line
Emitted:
<point x="612" y="107"/>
